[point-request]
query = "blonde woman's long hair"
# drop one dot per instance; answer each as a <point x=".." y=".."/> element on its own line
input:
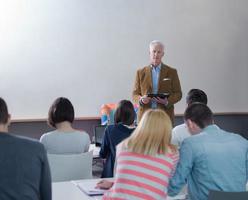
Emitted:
<point x="153" y="134"/>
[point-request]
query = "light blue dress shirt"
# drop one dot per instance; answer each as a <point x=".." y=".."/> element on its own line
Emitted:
<point x="155" y="80"/>
<point x="212" y="160"/>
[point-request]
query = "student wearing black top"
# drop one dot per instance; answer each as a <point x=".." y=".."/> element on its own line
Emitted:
<point x="114" y="134"/>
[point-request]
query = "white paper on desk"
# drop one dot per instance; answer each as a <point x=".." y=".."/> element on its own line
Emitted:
<point x="88" y="187"/>
<point x="177" y="197"/>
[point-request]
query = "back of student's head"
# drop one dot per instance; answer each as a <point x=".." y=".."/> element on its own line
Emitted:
<point x="200" y="114"/>
<point x="196" y="95"/>
<point x="125" y="113"/>
<point x="152" y="135"/>
<point x="4" y="115"/>
<point x="61" y="110"/>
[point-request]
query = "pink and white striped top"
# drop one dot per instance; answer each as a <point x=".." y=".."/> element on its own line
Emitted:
<point x="141" y="176"/>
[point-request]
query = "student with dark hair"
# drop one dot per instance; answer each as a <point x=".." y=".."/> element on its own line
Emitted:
<point x="125" y="113"/>
<point x="65" y="139"/>
<point x="180" y="132"/>
<point x="25" y="172"/>
<point x="114" y="134"/>
<point x="196" y="95"/>
<point x="213" y="159"/>
<point x="61" y="110"/>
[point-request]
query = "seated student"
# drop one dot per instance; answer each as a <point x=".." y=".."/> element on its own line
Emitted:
<point x="114" y="134"/>
<point x="213" y="159"/>
<point x="65" y="139"/>
<point x="24" y="167"/>
<point x="180" y="132"/>
<point x="145" y="161"/>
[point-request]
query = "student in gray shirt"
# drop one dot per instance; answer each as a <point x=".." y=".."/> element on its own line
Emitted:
<point x="25" y="172"/>
<point x="65" y="139"/>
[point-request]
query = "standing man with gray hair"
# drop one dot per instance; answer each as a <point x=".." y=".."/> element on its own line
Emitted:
<point x="157" y="78"/>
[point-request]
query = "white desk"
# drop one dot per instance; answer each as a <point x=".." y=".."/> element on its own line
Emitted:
<point x="69" y="191"/>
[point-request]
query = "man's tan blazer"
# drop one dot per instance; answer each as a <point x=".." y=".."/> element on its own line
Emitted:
<point x="168" y="83"/>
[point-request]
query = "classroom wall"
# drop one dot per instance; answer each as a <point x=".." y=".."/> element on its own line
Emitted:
<point x="89" y="51"/>
<point x="34" y="129"/>
<point x="237" y="123"/>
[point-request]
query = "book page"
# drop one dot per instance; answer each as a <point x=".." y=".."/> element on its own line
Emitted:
<point x="88" y="186"/>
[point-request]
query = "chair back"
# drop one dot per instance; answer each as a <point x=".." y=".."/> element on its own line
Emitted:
<point x="220" y="195"/>
<point x="70" y="167"/>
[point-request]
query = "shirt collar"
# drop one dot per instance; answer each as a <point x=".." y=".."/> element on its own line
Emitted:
<point x="211" y="128"/>
<point x="157" y="67"/>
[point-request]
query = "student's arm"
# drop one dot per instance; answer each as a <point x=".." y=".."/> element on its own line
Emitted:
<point x="45" y="182"/>
<point x="175" y="137"/>
<point x="105" y="150"/>
<point x="183" y="169"/>
<point x="43" y="140"/>
<point x="247" y="170"/>
<point x="87" y="143"/>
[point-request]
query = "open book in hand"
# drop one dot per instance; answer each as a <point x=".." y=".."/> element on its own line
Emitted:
<point x="88" y="186"/>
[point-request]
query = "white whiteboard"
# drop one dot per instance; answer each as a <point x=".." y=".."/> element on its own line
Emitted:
<point x="89" y="51"/>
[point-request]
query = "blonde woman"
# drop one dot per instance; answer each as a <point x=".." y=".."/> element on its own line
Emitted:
<point x="145" y="161"/>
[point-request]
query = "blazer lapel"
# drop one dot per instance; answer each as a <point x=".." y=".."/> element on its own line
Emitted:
<point x="149" y="79"/>
<point x="163" y="74"/>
